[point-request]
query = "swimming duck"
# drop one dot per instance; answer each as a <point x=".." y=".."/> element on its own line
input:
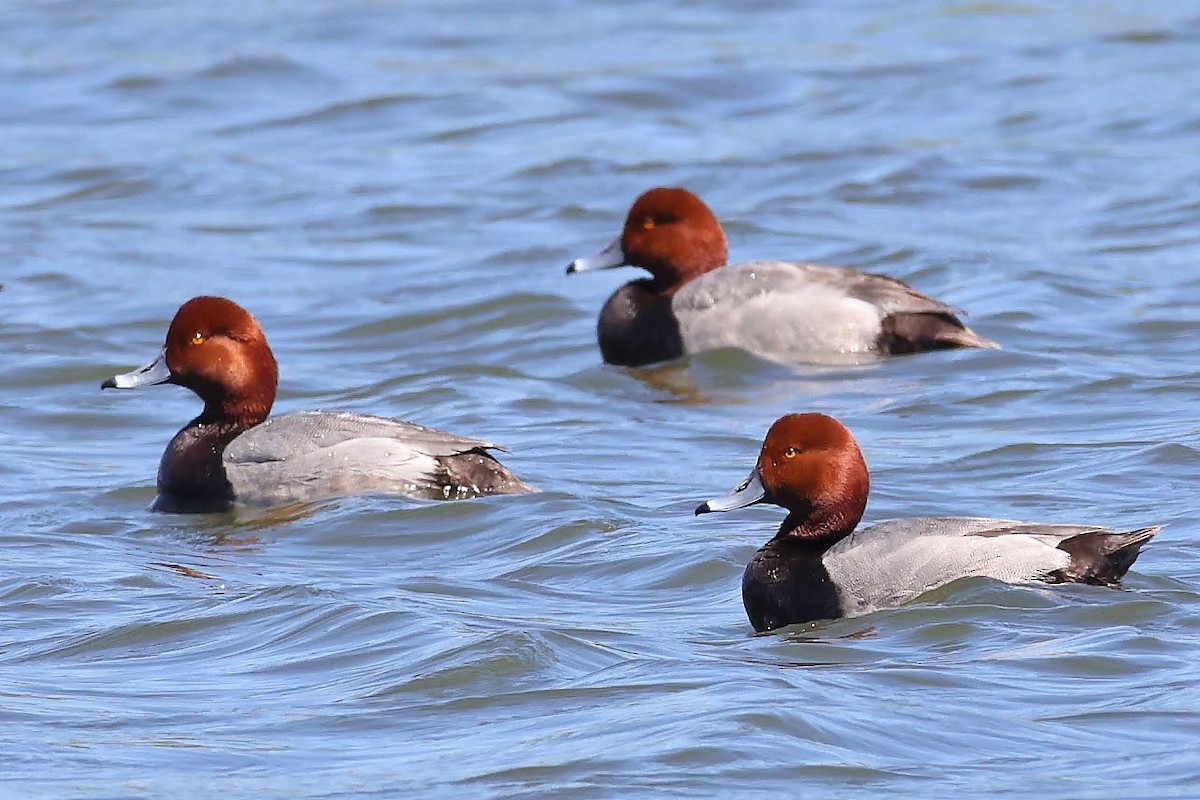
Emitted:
<point x="233" y="453"/>
<point x="780" y="310"/>
<point x="818" y="566"/>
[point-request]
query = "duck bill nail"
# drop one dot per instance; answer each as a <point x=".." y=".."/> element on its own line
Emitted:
<point x="747" y="493"/>
<point x="153" y="373"/>
<point x="609" y="257"/>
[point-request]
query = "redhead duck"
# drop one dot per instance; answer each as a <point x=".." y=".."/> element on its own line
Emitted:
<point x="232" y="452"/>
<point x="819" y="567"/>
<point x="780" y="310"/>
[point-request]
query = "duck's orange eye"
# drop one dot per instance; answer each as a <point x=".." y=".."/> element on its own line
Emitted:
<point x="198" y="338"/>
<point x="790" y="452"/>
<point x="647" y="223"/>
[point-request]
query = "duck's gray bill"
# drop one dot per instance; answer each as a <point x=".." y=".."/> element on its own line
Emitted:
<point x="611" y="256"/>
<point x="748" y="492"/>
<point x="155" y="372"/>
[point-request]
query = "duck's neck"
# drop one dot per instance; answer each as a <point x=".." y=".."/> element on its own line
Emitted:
<point x="666" y="281"/>
<point x="234" y="416"/>
<point x="239" y="404"/>
<point x="818" y="526"/>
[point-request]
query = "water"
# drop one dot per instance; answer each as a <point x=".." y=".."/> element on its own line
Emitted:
<point x="394" y="190"/>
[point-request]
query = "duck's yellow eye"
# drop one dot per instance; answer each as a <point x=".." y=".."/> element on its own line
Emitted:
<point x="647" y="223"/>
<point x="790" y="452"/>
<point x="198" y="338"/>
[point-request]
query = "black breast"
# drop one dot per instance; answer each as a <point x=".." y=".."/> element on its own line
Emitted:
<point x="785" y="583"/>
<point x="638" y="327"/>
<point x="191" y="476"/>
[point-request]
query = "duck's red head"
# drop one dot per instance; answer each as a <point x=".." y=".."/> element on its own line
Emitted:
<point x="217" y="349"/>
<point x="810" y="465"/>
<point x="669" y="232"/>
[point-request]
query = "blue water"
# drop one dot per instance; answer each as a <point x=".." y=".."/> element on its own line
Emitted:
<point x="394" y="189"/>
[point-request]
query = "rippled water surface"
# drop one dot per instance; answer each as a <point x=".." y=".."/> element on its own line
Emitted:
<point x="394" y="189"/>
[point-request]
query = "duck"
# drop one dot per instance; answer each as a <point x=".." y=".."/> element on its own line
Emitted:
<point x="783" y="311"/>
<point x="819" y="566"/>
<point x="233" y="454"/>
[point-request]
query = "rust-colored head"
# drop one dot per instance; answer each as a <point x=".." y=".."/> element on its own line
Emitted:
<point x="669" y="232"/>
<point x="672" y="234"/>
<point x="810" y="465"/>
<point x="217" y="349"/>
<point x="813" y="460"/>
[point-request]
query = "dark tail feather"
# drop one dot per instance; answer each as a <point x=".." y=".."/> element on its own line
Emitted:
<point x="1101" y="557"/>
<point x="916" y="332"/>
<point x="474" y="473"/>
